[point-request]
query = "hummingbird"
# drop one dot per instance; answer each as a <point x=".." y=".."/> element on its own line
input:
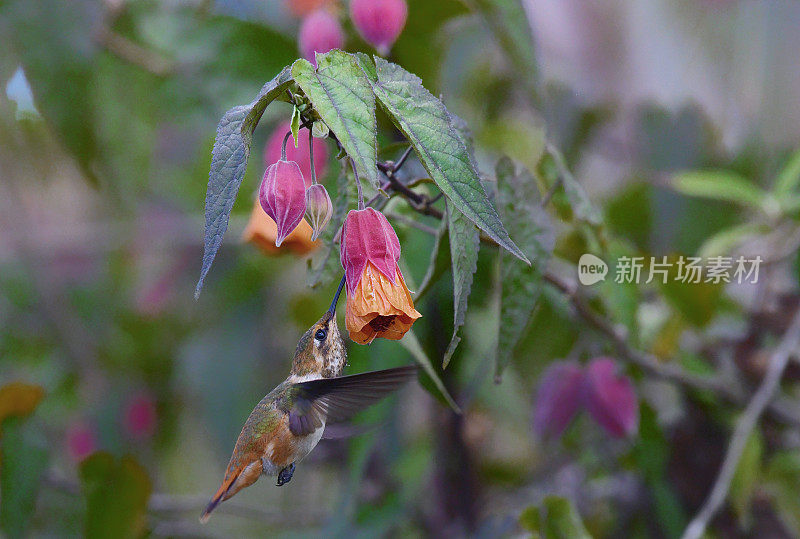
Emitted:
<point x="288" y="423"/>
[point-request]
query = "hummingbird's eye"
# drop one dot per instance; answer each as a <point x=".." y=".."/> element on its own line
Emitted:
<point x="321" y="334"/>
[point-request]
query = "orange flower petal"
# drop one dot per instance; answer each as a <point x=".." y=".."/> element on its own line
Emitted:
<point x="262" y="231"/>
<point x="378" y="308"/>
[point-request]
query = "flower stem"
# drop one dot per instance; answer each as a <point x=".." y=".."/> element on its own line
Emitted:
<point x="283" y="146"/>
<point x="311" y="157"/>
<point x="358" y="185"/>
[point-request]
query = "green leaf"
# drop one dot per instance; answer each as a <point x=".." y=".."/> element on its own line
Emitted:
<point x="724" y="241"/>
<point x="464" y="245"/>
<point x="511" y="29"/>
<point x="562" y="520"/>
<point x="581" y="205"/>
<point x="116" y="493"/>
<point x="319" y="129"/>
<point x="440" y="261"/>
<point x="746" y="477"/>
<point x="719" y="185"/>
<point x="789" y="176"/>
<point x="342" y="97"/>
<point x="421" y="46"/>
<point x="55" y="42"/>
<point x="651" y="455"/>
<point x="294" y="125"/>
<point x="518" y="200"/>
<point x="325" y="265"/>
<point x="782" y="475"/>
<point x="24" y="459"/>
<point x="425" y="122"/>
<point x="531" y="520"/>
<point x="228" y="164"/>
<point x="411" y="343"/>
<point x="697" y="302"/>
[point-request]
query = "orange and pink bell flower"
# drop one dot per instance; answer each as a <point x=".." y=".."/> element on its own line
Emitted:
<point x="379" y="303"/>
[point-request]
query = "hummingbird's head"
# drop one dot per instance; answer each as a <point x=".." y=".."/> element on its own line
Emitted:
<point x="321" y="349"/>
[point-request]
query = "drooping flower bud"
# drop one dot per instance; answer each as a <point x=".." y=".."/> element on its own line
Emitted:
<point x="379" y="21"/>
<point x="378" y="301"/>
<point x="558" y="399"/>
<point x="610" y="398"/>
<point x="318" y="209"/>
<point x="300" y="155"/>
<point x="283" y="196"/>
<point x="319" y="32"/>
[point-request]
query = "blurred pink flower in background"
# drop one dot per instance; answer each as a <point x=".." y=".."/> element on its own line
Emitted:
<point x="379" y="21"/>
<point x="610" y="398"/>
<point x="81" y="440"/>
<point x="319" y="32"/>
<point x="272" y="152"/>
<point x="558" y="398"/>
<point x="140" y="416"/>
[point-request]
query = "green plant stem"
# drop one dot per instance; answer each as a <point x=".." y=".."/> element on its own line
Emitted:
<point x="283" y="146"/>
<point x="358" y="185"/>
<point x="311" y="157"/>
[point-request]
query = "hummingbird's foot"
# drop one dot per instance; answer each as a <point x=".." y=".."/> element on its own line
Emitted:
<point x="285" y="475"/>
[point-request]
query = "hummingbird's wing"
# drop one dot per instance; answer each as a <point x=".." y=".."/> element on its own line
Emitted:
<point x="316" y="402"/>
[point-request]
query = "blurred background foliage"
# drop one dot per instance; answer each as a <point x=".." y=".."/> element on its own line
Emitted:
<point x="121" y="396"/>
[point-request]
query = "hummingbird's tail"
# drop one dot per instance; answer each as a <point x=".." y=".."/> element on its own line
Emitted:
<point x="210" y="507"/>
<point x="235" y="480"/>
<point x="220" y="496"/>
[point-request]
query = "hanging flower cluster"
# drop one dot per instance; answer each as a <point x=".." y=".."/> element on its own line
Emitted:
<point x="285" y="197"/>
<point x="291" y="213"/>
<point x="378" y="301"/>
<point x="378" y="22"/>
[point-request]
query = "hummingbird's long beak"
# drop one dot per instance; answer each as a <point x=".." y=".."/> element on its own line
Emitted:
<point x="332" y="308"/>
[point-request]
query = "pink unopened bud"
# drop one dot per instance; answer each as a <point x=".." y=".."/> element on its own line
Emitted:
<point x="558" y="399"/>
<point x="140" y="416"/>
<point x="379" y="21"/>
<point x="81" y="438"/>
<point x="283" y="196"/>
<point x="610" y="398"/>
<point x="300" y="155"/>
<point x="319" y="32"/>
<point x="318" y="209"/>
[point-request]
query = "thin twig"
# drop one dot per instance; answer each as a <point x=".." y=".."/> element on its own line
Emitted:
<point x="552" y="191"/>
<point x="412" y="223"/>
<point x="744" y="428"/>
<point x="135" y="53"/>
<point x="399" y="164"/>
